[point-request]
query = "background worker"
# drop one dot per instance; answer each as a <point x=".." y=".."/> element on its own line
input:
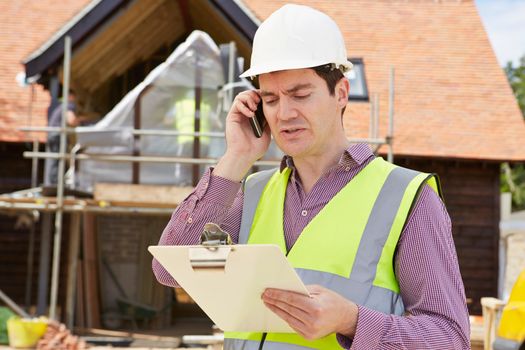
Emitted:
<point x="183" y="114"/>
<point x="372" y="241"/>
<point x="53" y="138"/>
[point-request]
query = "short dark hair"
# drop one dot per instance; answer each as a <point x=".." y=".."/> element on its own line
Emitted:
<point x="330" y="75"/>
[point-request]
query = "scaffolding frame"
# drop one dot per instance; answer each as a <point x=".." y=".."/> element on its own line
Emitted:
<point x="59" y="204"/>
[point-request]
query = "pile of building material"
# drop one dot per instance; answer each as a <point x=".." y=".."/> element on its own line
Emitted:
<point x="58" y="337"/>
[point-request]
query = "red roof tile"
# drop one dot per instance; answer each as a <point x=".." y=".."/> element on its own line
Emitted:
<point x="452" y="98"/>
<point x="26" y="24"/>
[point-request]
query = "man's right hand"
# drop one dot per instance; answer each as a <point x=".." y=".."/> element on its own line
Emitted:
<point x="242" y="147"/>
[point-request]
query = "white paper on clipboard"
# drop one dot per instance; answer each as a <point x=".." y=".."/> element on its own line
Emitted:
<point x="227" y="282"/>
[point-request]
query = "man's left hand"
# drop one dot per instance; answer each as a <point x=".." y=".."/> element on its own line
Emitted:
<point x="315" y="316"/>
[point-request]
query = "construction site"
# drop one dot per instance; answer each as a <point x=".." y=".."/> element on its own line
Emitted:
<point x="151" y="83"/>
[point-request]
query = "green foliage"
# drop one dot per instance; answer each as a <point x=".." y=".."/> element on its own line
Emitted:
<point x="5" y="314"/>
<point x="513" y="176"/>
<point x="516" y="77"/>
<point x="513" y="180"/>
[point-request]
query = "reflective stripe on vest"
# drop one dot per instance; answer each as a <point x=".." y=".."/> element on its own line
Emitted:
<point x="347" y="247"/>
<point x="253" y="344"/>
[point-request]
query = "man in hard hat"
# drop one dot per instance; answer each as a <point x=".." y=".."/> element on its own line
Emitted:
<point x="372" y="241"/>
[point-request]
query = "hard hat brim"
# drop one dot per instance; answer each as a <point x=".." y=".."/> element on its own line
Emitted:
<point x="271" y="67"/>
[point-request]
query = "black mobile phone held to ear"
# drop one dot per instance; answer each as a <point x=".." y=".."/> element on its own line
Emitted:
<point x="258" y="122"/>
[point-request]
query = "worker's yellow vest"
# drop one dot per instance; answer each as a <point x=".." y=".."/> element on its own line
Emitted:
<point x="185" y="119"/>
<point x="512" y="322"/>
<point x="347" y="247"/>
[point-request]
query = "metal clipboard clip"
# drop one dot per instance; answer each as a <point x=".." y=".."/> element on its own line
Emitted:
<point x="215" y="248"/>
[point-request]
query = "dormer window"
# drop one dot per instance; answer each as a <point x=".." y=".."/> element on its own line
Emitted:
<point x="356" y="77"/>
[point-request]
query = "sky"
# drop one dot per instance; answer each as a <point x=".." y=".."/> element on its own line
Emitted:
<point x="504" y="21"/>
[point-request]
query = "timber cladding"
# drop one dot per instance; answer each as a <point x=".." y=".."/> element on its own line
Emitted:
<point x="15" y="174"/>
<point x="472" y="197"/>
<point x="15" y="170"/>
<point x="138" y="32"/>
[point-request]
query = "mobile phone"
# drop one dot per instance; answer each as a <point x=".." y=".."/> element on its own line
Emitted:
<point x="258" y="122"/>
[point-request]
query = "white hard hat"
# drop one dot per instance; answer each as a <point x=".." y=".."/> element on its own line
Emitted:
<point x="295" y="37"/>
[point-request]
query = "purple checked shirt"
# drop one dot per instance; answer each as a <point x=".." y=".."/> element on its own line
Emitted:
<point x="426" y="264"/>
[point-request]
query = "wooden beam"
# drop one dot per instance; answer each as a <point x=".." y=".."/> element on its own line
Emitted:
<point x="80" y="313"/>
<point x="105" y="332"/>
<point x="139" y="47"/>
<point x="197" y="119"/>
<point x="205" y="17"/>
<point x="137" y="124"/>
<point x="74" y="241"/>
<point x="141" y="193"/>
<point x="158" y="26"/>
<point x="185" y="14"/>
<point x="91" y="288"/>
<point x="43" y="269"/>
<point x="91" y="54"/>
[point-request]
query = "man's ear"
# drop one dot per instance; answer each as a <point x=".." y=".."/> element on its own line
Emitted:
<point x="342" y="89"/>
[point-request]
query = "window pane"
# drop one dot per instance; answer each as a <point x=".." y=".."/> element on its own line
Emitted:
<point x="356" y="77"/>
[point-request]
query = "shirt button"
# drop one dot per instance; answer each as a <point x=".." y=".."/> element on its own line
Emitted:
<point x="190" y="220"/>
<point x="304" y="213"/>
<point x="347" y="168"/>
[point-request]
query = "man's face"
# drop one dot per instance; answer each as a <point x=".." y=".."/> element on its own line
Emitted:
<point x="303" y="117"/>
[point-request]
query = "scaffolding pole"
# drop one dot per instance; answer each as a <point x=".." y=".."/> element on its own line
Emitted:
<point x="137" y="159"/>
<point x="31" y="247"/>
<point x="34" y="180"/>
<point x="60" y="183"/>
<point x="390" y="135"/>
<point x="149" y="132"/>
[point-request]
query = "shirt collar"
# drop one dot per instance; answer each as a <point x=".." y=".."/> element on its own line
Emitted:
<point x="353" y="156"/>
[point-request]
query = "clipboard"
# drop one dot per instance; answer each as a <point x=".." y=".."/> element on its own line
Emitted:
<point x="227" y="281"/>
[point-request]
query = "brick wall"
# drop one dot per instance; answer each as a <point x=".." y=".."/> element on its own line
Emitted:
<point x="123" y="242"/>
<point x="121" y="236"/>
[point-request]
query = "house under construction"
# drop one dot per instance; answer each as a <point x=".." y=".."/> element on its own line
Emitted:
<point x="129" y="171"/>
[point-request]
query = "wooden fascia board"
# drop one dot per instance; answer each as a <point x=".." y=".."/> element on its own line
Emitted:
<point x="78" y="32"/>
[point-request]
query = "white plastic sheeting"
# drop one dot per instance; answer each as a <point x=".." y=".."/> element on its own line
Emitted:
<point x="511" y="246"/>
<point x="196" y="62"/>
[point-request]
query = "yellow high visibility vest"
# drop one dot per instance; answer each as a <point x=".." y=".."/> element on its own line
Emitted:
<point x="512" y="322"/>
<point x="347" y="247"/>
<point x="185" y="119"/>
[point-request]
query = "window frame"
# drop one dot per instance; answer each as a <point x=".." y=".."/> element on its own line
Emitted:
<point x="365" y="96"/>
